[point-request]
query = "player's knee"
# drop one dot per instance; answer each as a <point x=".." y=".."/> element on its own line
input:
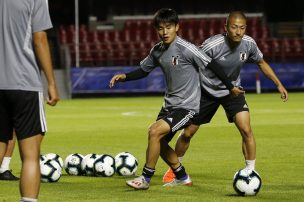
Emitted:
<point x="189" y="132"/>
<point x="153" y="133"/>
<point x="187" y="136"/>
<point x="27" y="155"/>
<point x="246" y="132"/>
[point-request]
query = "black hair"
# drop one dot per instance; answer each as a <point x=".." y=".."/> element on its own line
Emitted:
<point x="165" y="15"/>
<point x="236" y="14"/>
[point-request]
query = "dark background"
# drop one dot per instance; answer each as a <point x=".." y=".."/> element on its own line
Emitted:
<point x="62" y="11"/>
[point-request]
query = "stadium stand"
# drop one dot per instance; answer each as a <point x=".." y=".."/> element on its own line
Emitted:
<point x="120" y="33"/>
<point x="133" y="41"/>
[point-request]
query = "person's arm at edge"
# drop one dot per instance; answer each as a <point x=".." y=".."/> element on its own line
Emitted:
<point x="133" y="75"/>
<point x="42" y="51"/>
<point x="267" y="71"/>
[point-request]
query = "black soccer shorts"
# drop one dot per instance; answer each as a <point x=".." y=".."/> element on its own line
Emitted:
<point x="209" y="105"/>
<point x="177" y="119"/>
<point x="22" y="111"/>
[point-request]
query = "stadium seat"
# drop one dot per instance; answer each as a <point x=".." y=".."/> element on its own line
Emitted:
<point x="85" y="58"/>
<point x="106" y="36"/>
<point x="298" y="46"/>
<point x="253" y="21"/>
<point x="126" y="36"/>
<point x="202" y="24"/>
<point x="129" y="25"/>
<point x="185" y="24"/>
<point x="100" y="58"/>
<point x="277" y="48"/>
<point x="190" y="36"/>
<point x="138" y="36"/>
<point x="211" y="31"/>
<point x="133" y="25"/>
<point x="293" y="50"/>
<point x="138" y="51"/>
<point x="265" y="48"/>
<point x="117" y="36"/>
<point x="221" y="24"/>
<point x="215" y="26"/>
<point x="286" y="47"/>
<point x="116" y="55"/>
<point x="263" y="32"/>
<point x="201" y="36"/>
<point x="93" y="37"/>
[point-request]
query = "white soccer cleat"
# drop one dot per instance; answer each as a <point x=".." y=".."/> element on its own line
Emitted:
<point x="176" y="182"/>
<point x="138" y="183"/>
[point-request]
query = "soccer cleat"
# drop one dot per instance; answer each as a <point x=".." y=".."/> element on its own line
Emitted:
<point x="176" y="182"/>
<point x="169" y="176"/>
<point x="8" y="175"/>
<point x="138" y="183"/>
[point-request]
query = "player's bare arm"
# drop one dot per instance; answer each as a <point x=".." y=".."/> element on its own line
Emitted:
<point x="42" y="51"/>
<point x="267" y="70"/>
<point x="53" y="97"/>
<point x="117" y="78"/>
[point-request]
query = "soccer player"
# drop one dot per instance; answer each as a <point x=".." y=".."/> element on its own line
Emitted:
<point x="24" y="51"/>
<point x="5" y="172"/>
<point x="181" y="63"/>
<point x="229" y="51"/>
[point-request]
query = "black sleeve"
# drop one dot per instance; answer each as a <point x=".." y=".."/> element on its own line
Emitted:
<point x="136" y="74"/>
<point x="221" y="75"/>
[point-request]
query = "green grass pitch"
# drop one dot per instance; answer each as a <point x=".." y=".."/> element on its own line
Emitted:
<point x="113" y="125"/>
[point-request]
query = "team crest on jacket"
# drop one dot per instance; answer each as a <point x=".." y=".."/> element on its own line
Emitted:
<point x="243" y="56"/>
<point x="174" y="60"/>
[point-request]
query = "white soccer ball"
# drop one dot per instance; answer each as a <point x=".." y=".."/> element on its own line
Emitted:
<point x="104" y="166"/>
<point x="87" y="164"/>
<point x="50" y="171"/>
<point x="247" y="182"/>
<point x="125" y="164"/>
<point x="42" y="159"/>
<point x="72" y="164"/>
<point x="52" y="156"/>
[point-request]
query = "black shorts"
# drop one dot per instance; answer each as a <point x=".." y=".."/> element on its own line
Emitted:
<point x="177" y="119"/>
<point x="22" y="111"/>
<point x="209" y="105"/>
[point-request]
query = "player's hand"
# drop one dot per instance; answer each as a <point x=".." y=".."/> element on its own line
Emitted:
<point x="53" y="97"/>
<point x="117" y="78"/>
<point x="236" y="91"/>
<point x="284" y="93"/>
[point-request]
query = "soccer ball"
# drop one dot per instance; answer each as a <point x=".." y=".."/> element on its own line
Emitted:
<point x="42" y="159"/>
<point x="52" y="156"/>
<point x="247" y="182"/>
<point x="50" y="171"/>
<point x="72" y="164"/>
<point x="87" y="164"/>
<point x="104" y="166"/>
<point x="125" y="164"/>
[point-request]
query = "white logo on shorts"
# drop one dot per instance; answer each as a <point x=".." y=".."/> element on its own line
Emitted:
<point x="170" y="119"/>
